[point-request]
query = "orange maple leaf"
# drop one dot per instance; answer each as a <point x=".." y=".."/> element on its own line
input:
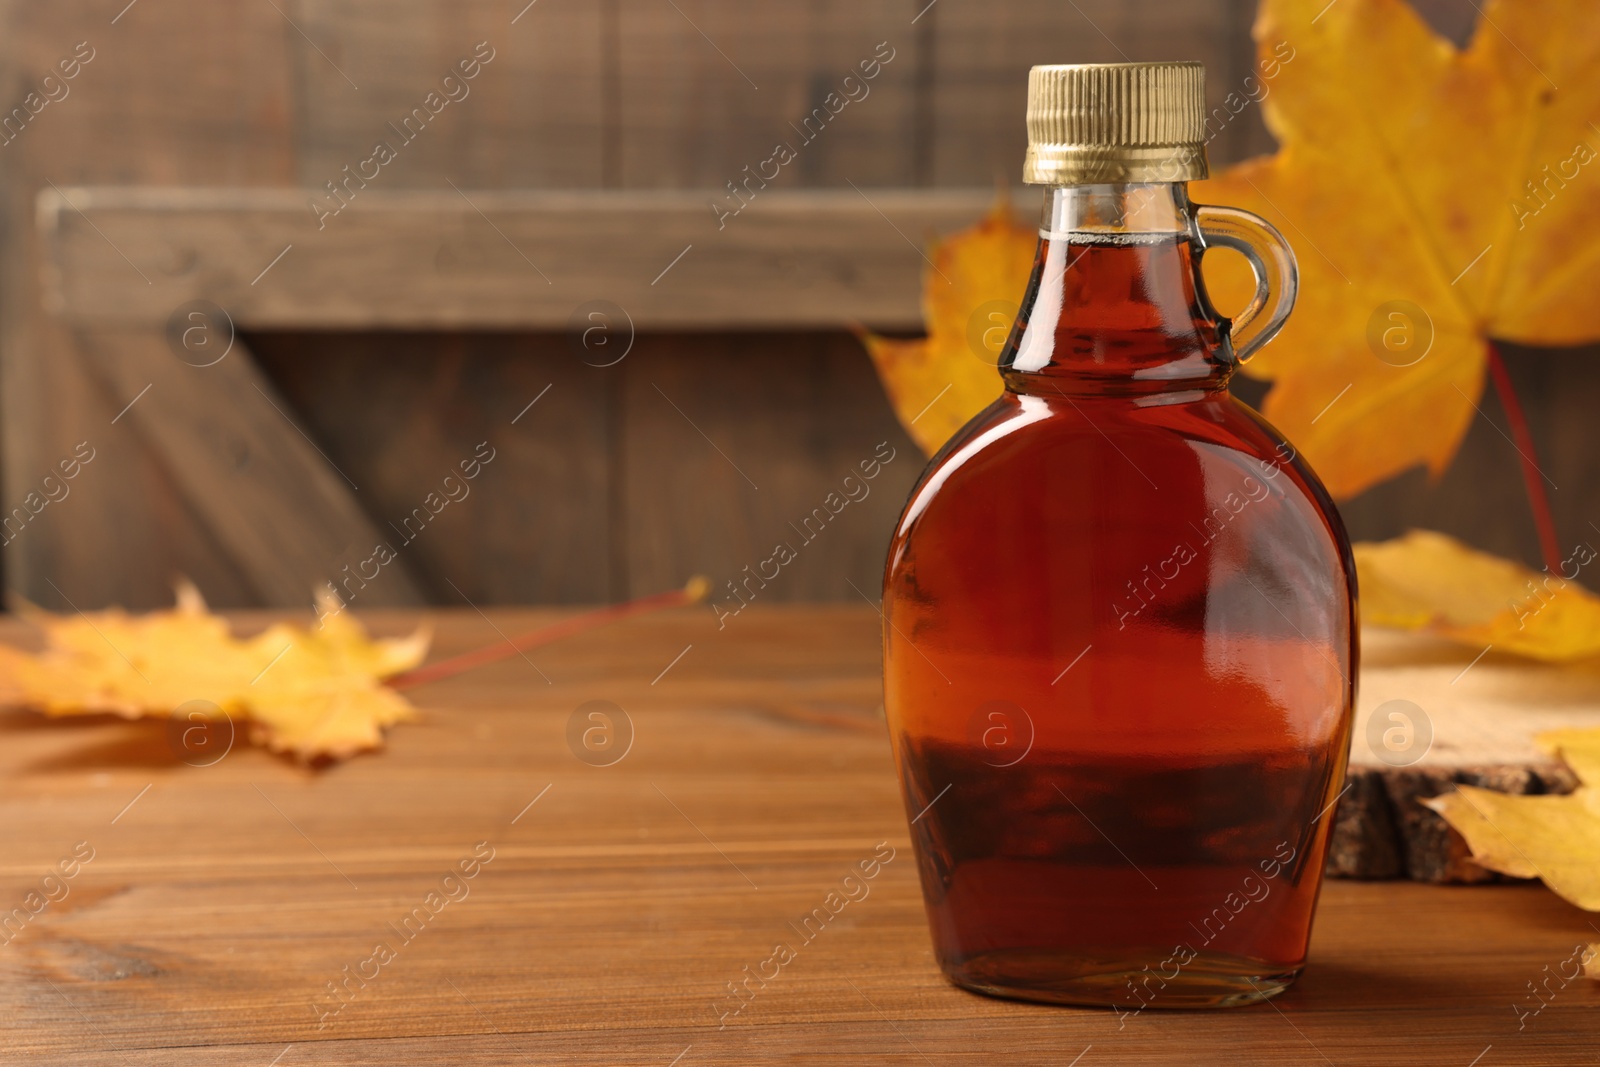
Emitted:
<point x="1553" y="838"/>
<point x="1436" y="198"/>
<point x="312" y="693"/>
<point x="1427" y="581"/>
<point x="970" y="296"/>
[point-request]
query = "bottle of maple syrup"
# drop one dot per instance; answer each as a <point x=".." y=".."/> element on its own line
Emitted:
<point x="1119" y="648"/>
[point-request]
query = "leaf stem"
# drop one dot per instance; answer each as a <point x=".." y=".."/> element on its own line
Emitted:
<point x="692" y="593"/>
<point x="1532" y="476"/>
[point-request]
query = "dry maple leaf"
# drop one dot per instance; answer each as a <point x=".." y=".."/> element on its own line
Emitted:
<point x="313" y="693"/>
<point x="1436" y="198"/>
<point x="1427" y="581"/>
<point x="970" y="295"/>
<point x="1457" y="181"/>
<point x="1553" y="838"/>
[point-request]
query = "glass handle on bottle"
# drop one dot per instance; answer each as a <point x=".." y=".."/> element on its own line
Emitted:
<point x="1272" y="261"/>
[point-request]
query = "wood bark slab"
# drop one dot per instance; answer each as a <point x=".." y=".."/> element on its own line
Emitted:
<point x="222" y="900"/>
<point x="1482" y="710"/>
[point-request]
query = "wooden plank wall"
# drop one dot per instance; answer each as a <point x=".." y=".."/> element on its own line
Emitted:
<point x="188" y="93"/>
<point x="693" y="455"/>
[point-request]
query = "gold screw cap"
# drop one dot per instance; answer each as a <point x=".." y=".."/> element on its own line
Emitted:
<point x="1091" y="123"/>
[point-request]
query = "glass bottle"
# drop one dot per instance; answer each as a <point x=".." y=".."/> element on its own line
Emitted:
<point x="1119" y="651"/>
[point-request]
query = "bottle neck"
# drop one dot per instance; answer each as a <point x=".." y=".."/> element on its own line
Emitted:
<point x="1141" y="208"/>
<point x="1115" y="304"/>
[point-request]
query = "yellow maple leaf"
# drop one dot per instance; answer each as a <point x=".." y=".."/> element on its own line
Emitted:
<point x="1427" y="581"/>
<point x="970" y="296"/>
<point x="1553" y="838"/>
<point x="1436" y="198"/>
<point x="313" y="693"/>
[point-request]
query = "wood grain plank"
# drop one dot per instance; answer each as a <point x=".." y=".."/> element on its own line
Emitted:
<point x="495" y="260"/>
<point x="984" y="52"/>
<point x="265" y="492"/>
<point x="872" y="141"/>
<point x="711" y="87"/>
<point x="693" y="106"/>
<point x="173" y="93"/>
<point x="607" y="926"/>
<point x="535" y="525"/>
<point x="603" y="490"/>
<point x="732" y="447"/>
<point x="121" y="531"/>
<point x="214" y="107"/>
<point x="529" y="116"/>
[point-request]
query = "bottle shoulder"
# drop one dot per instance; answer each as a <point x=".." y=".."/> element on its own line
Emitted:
<point x="1196" y="516"/>
<point x="1060" y="461"/>
<point x="1051" y="434"/>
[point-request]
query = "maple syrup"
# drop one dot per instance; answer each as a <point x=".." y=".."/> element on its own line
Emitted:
<point x="1119" y="646"/>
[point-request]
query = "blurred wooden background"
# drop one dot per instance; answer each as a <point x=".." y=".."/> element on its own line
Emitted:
<point x="275" y="470"/>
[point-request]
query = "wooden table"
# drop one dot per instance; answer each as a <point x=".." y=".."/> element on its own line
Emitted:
<point x="222" y="900"/>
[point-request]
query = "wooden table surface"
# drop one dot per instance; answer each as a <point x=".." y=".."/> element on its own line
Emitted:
<point x="222" y="900"/>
